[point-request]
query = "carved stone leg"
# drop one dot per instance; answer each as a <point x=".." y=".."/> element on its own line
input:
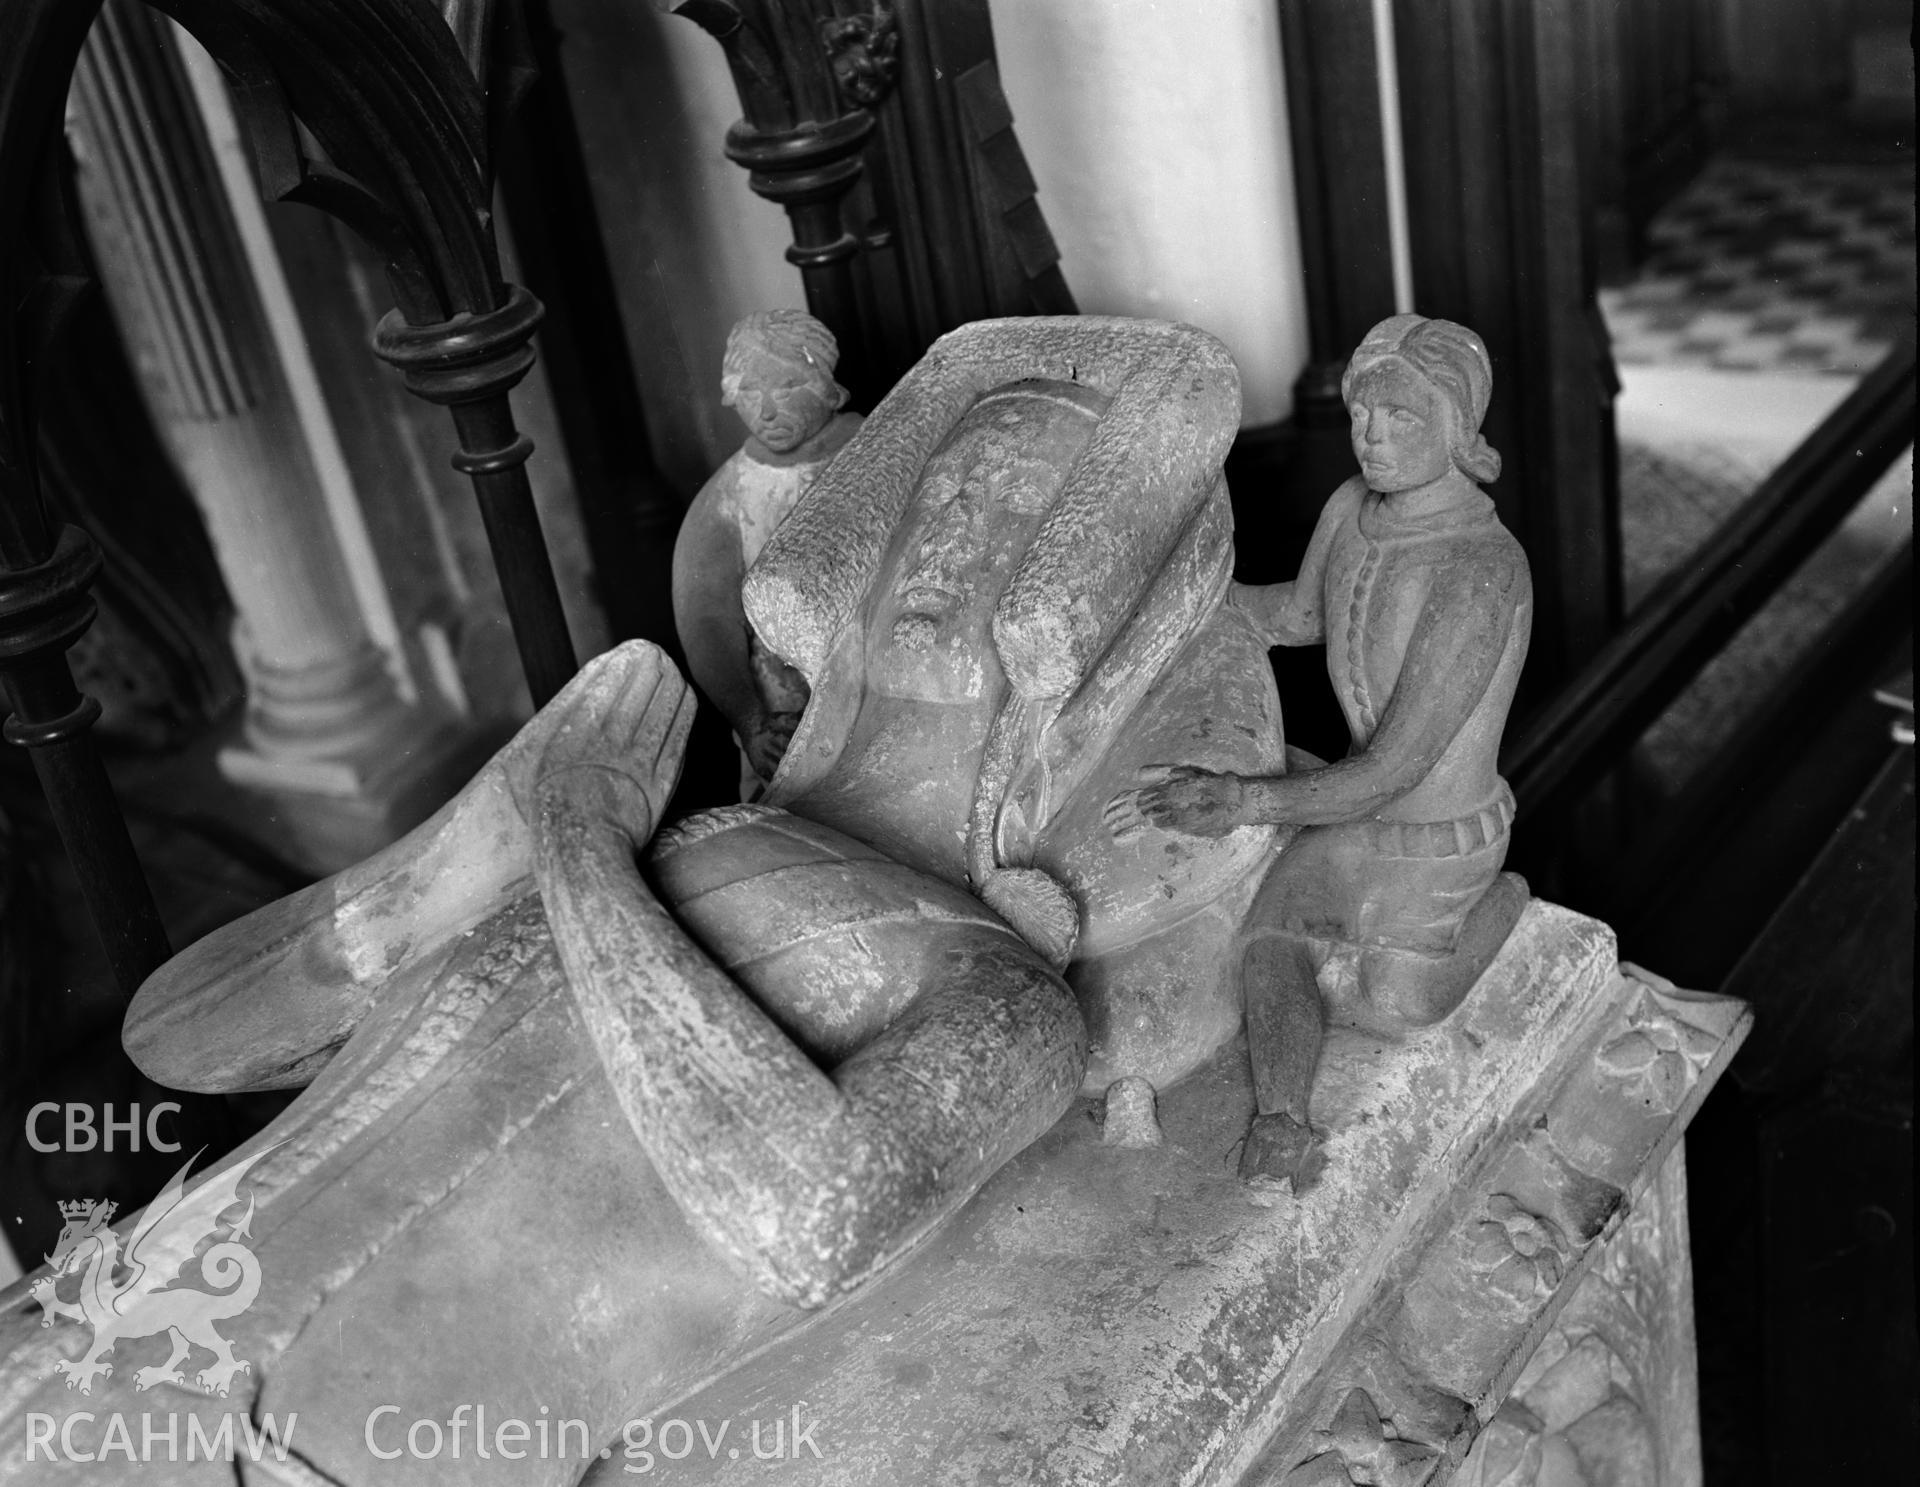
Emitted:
<point x="326" y="727"/>
<point x="1285" y="1027"/>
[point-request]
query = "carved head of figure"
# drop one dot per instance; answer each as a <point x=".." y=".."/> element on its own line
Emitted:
<point x="1417" y="390"/>
<point x="778" y="376"/>
<point x="972" y="517"/>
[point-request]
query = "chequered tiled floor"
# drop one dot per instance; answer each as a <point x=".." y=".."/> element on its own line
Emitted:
<point x="1764" y="265"/>
<point x="1768" y="282"/>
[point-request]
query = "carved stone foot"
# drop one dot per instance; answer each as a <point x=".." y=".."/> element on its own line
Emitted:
<point x="1280" y="1146"/>
<point x="1131" y="1119"/>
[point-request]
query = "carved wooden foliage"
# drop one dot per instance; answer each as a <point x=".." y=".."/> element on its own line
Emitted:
<point x="376" y="112"/>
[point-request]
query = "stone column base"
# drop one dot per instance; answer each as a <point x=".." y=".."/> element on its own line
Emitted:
<point x="330" y="812"/>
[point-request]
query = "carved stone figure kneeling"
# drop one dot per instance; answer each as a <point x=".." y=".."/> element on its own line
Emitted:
<point x="778" y="376"/>
<point x="1388" y="902"/>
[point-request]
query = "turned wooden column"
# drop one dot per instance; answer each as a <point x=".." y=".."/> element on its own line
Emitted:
<point x="374" y="111"/>
<point x="44" y="609"/>
<point x="469" y="366"/>
<point x="45" y="568"/>
<point x="883" y="129"/>
<point x="403" y="101"/>
<point x="800" y="68"/>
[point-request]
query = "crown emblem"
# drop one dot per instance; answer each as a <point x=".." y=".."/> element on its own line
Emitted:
<point x="87" y="1208"/>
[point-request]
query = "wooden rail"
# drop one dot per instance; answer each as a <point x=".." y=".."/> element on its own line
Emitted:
<point x="1583" y="732"/>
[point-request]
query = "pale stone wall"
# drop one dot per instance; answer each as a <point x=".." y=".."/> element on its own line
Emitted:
<point x="1158" y="134"/>
<point x="692" y="248"/>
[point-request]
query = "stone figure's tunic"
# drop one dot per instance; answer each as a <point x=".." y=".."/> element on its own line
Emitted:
<point x="751" y="498"/>
<point x="1406" y="877"/>
<point x="755" y="497"/>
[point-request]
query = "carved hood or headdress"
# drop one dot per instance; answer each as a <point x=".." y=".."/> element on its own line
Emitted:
<point x="1132" y="557"/>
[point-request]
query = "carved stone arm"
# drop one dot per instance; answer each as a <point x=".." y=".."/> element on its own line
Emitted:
<point x="1294" y="613"/>
<point x="1449" y="661"/>
<point x="1282" y="613"/>
<point x="808" y="1180"/>
<point x="265" y="1002"/>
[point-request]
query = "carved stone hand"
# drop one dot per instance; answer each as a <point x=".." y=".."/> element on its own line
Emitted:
<point x="1180" y="798"/>
<point x="614" y="740"/>
<point x="766" y="741"/>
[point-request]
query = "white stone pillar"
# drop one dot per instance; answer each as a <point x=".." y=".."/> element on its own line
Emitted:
<point x="326" y="716"/>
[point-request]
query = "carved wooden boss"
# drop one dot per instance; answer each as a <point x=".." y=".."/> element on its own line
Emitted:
<point x="807" y="74"/>
<point x="405" y="100"/>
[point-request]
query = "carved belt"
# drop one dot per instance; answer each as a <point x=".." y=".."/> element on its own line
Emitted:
<point x="1455" y="838"/>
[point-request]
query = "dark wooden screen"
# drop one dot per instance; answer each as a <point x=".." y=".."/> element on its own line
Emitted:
<point x="1499" y="199"/>
<point x="406" y="101"/>
<point x="881" y="126"/>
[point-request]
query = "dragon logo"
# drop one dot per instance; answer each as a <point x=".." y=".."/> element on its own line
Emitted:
<point x="131" y="1296"/>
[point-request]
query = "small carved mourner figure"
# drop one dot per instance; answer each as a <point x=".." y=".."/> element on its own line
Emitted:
<point x="1388" y="902"/>
<point x="778" y="376"/>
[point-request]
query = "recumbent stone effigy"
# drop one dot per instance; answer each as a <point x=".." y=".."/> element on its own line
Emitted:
<point x="559" y="1102"/>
